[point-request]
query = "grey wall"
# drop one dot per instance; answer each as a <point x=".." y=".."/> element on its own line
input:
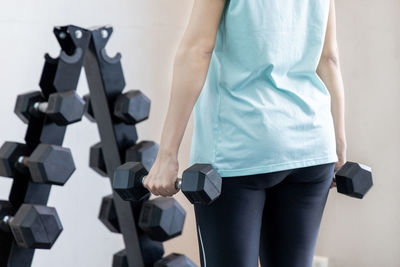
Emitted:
<point x="354" y="233"/>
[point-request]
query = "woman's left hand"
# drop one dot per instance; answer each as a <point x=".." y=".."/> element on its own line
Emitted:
<point x="341" y="151"/>
<point x="162" y="176"/>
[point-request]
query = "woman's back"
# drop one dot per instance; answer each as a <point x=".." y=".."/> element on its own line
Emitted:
<point x="263" y="107"/>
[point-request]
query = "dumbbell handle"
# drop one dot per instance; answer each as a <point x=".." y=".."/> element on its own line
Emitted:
<point x="23" y="160"/>
<point x="6" y="219"/>
<point x="5" y="223"/>
<point x="178" y="182"/>
<point x="41" y="106"/>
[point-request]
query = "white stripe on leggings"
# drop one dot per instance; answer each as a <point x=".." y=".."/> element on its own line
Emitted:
<point x="202" y="247"/>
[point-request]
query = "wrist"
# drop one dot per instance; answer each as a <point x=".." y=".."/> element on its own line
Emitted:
<point x="170" y="153"/>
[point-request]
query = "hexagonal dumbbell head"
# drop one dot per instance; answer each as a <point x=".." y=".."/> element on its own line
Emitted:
<point x="10" y="152"/>
<point x="132" y="107"/>
<point x="108" y="214"/>
<point x="175" y="260"/>
<point x="144" y="152"/>
<point x="96" y="160"/>
<point x="65" y="107"/>
<point x="162" y="218"/>
<point x="88" y="108"/>
<point x="51" y="164"/>
<point x="120" y="259"/>
<point x="35" y="226"/>
<point x="354" y="179"/>
<point x="128" y="181"/>
<point x="151" y="250"/>
<point x="201" y="184"/>
<point x="24" y="105"/>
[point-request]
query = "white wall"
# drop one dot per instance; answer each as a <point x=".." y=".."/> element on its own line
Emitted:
<point x="354" y="233"/>
<point x="365" y="233"/>
<point x="147" y="35"/>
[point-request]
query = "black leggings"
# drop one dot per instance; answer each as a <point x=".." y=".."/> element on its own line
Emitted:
<point x="275" y="216"/>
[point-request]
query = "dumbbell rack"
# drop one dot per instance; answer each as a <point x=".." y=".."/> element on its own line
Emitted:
<point x="86" y="48"/>
<point x="116" y="124"/>
<point x="106" y="82"/>
<point x="58" y="75"/>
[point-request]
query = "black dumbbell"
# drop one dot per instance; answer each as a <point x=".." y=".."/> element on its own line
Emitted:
<point x="120" y="259"/>
<point x="152" y="251"/>
<point x="144" y="152"/>
<point x="354" y="179"/>
<point x="175" y="260"/>
<point x="132" y="107"/>
<point x="96" y="160"/>
<point x="88" y="109"/>
<point x="33" y="226"/>
<point x="108" y="214"/>
<point x="200" y="183"/>
<point x="63" y="108"/>
<point x="47" y="164"/>
<point x="162" y="218"/>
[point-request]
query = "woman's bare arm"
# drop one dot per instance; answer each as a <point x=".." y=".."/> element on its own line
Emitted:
<point x="190" y="70"/>
<point x="329" y="71"/>
<point x="189" y="74"/>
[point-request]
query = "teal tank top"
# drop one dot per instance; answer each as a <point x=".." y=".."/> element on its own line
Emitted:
<point x="263" y="108"/>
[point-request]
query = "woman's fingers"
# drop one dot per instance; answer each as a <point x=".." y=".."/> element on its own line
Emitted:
<point x="159" y="187"/>
<point x="339" y="164"/>
<point x="333" y="184"/>
<point x="167" y="190"/>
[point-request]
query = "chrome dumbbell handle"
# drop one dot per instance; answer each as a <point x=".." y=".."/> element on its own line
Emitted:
<point x="178" y="182"/>
<point x="23" y="160"/>
<point x="5" y="223"/>
<point x="6" y="219"/>
<point x="41" y="106"/>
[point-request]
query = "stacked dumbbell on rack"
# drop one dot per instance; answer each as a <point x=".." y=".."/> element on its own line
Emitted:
<point x="26" y="223"/>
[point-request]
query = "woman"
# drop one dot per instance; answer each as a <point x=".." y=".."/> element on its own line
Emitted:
<point x="264" y="80"/>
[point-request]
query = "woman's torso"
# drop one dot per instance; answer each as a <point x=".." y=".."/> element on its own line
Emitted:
<point x="263" y="107"/>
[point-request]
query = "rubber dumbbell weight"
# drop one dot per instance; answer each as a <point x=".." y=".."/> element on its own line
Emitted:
<point x="152" y="251"/>
<point x="162" y="218"/>
<point x="144" y="152"/>
<point x="33" y="226"/>
<point x="175" y="260"/>
<point x="48" y="164"/>
<point x="132" y="107"/>
<point x="200" y="183"/>
<point x="63" y="107"/>
<point x="354" y="179"/>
